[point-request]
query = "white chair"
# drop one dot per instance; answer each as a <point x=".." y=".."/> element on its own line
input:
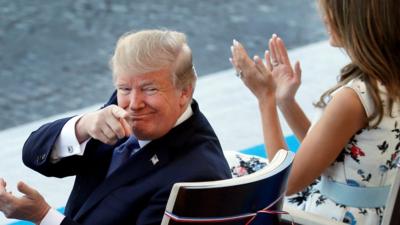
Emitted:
<point x="233" y="201"/>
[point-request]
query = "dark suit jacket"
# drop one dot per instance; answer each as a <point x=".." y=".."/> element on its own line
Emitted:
<point x="137" y="192"/>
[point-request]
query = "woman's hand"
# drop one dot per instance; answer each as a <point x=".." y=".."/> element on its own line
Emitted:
<point x="287" y="79"/>
<point x="254" y="73"/>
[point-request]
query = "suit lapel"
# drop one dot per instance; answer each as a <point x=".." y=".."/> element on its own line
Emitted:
<point x="152" y="157"/>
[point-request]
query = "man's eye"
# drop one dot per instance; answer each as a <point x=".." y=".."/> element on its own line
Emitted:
<point x="124" y="90"/>
<point x="150" y="90"/>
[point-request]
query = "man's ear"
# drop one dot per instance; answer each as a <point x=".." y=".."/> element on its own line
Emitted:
<point x="186" y="95"/>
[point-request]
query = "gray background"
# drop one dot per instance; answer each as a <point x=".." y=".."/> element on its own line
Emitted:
<point x="54" y="54"/>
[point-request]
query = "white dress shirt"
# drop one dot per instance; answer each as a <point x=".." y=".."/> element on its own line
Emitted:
<point x="67" y="144"/>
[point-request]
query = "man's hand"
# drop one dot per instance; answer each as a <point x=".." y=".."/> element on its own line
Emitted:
<point x="106" y="125"/>
<point x="31" y="206"/>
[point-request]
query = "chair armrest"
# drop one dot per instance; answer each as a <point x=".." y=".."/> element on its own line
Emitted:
<point x="304" y="218"/>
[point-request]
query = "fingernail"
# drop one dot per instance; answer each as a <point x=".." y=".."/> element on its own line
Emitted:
<point x="235" y="42"/>
<point x="274" y="35"/>
<point x="231" y="48"/>
<point x="266" y="52"/>
<point x="230" y="60"/>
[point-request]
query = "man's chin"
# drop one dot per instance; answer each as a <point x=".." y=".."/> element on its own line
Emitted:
<point x="142" y="134"/>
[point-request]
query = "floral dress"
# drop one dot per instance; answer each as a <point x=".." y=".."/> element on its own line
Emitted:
<point x="370" y="159"/>
<point x="243" y="164"/>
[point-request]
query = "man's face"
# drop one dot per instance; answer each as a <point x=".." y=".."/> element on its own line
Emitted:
<point x="152" y="101"/>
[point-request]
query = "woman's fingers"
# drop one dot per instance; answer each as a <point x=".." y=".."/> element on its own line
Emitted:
<point x="268" y="60"/>
<point x="272" y="50"/>
<point x="260" y="65"/>
<point x="297" y="71"/>
<point x="276" y="41"/>
<point x="284" y="58"/>
<point x="239" y="53"/>
<point x="240" y="59"/>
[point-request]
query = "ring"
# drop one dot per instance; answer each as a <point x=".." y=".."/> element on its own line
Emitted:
<point x="274" y="63"/>
<point x="239" y="74"/>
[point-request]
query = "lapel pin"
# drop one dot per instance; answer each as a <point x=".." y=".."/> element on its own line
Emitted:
<point x="154" y="160"/>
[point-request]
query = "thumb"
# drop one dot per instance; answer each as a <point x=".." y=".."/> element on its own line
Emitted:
<point x="25" y="189"/>
<point x="297" y="71"/>
<point x="3" y="182"/>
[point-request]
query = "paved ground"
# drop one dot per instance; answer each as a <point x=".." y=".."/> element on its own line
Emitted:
<point x="54" y="53"/>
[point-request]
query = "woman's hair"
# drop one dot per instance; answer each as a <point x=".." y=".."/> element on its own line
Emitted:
<point x="369" y="31"/>
<point x="152" y="50"/>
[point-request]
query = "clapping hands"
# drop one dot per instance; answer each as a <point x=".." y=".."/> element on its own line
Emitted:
<point x="255" y="75"/>
<point x="276" y="78"/>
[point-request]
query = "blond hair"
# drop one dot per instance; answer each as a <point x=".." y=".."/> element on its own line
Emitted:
<point x="152" y="50"/>
<point x="368" y="31"/>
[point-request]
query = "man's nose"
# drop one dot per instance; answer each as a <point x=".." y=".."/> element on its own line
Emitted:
<point x="136" y="100"/>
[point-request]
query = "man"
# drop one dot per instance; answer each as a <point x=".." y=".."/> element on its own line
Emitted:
<point x="171" y="140"/>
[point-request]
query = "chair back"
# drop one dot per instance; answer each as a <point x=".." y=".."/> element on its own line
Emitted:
<point x="233" y="201"/>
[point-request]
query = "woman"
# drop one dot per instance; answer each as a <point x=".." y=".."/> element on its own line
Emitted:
<point x="354" y="147"/>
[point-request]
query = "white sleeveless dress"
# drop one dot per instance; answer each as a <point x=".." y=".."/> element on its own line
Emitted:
<point x="370" y="159"/>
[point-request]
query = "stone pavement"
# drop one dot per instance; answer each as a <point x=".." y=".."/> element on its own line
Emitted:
<point x="230" y="107"/>
<point x="54" y="53"/>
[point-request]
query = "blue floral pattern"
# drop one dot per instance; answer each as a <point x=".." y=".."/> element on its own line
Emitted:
<point x="242" y="164"/>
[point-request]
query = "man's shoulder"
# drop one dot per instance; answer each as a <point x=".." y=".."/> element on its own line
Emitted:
<point x="198" y="121"/>
<point x="203" y="155"/>
<point x="112" y="100"/>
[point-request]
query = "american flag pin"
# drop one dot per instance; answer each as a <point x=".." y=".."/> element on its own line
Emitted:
<point x="154" y="160"/>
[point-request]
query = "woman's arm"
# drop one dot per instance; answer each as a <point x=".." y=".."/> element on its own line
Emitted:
<point x="295" y="118"/>
<point x="342" y="118"/>
<point x="258" y="78"/>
